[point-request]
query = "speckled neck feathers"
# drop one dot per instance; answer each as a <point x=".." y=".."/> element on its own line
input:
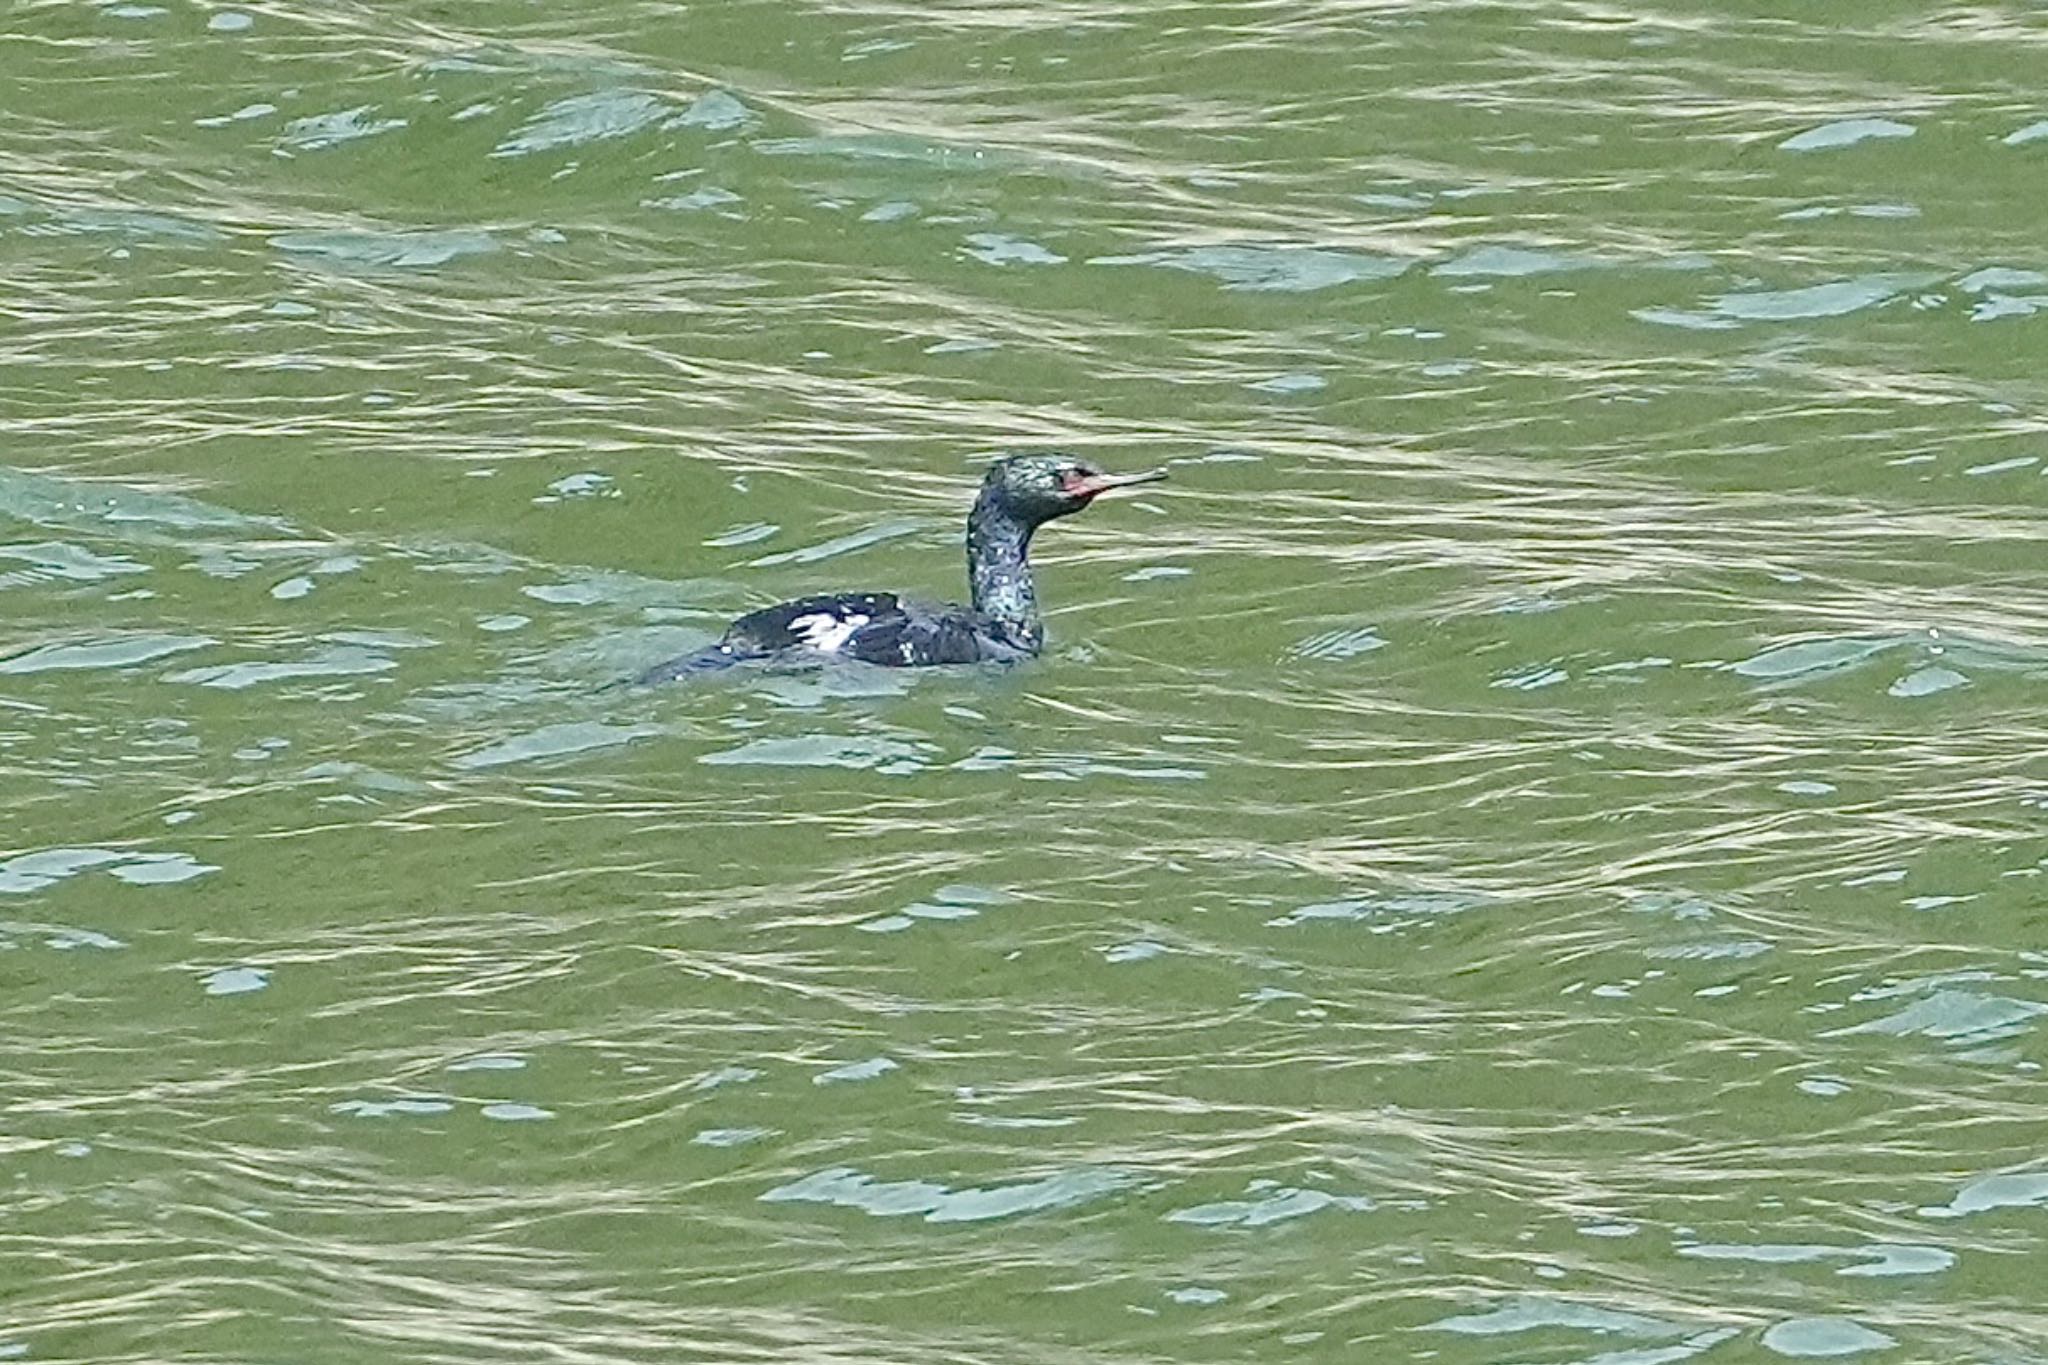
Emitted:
<point x="998" y="543"/>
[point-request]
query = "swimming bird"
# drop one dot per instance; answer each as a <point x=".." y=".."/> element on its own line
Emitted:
<point x="1019" y="494"/>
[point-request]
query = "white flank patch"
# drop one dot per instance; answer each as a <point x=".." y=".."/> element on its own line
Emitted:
<point x="826" y="633"/>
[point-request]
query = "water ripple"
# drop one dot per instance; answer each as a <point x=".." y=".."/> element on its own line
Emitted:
<point x="1527" y="843"/>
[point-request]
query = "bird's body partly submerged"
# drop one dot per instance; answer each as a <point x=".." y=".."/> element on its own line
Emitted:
<point x="1020" y="494"/>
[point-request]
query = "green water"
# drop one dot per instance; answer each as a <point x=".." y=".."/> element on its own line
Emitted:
<point x="1529" y="848"/>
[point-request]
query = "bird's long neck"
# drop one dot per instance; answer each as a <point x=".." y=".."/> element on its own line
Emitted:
<point x="998" y="546"/>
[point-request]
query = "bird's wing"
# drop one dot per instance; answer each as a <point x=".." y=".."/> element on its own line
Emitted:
<point x="824" y="623"/>
<point x="928" y="633"/>
<point x="877" y="628"/>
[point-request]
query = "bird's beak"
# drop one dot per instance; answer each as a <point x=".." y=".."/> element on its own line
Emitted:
<point x="1092" y="484"/>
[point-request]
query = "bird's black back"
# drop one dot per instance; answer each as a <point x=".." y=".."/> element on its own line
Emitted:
<point x="877" y="628"/>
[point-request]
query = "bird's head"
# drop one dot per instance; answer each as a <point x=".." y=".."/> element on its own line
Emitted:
<point x="1042" y="485"/>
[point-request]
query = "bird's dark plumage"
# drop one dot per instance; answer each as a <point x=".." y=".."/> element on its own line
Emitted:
<point x="1019" y="494"/>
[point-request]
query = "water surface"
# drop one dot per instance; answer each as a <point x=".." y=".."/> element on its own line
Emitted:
<point x="1529" y="847"/>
